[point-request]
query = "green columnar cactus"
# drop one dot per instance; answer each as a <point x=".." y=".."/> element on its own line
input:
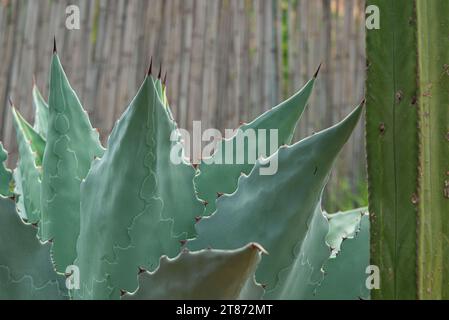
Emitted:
<point x="122" y="215"/>
<point x="433" y="196"/>
<point x="392" y="147"/>
<point x="407" y="148"/>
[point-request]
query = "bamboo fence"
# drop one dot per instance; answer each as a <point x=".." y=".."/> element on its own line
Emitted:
<point x="227" y="60"/>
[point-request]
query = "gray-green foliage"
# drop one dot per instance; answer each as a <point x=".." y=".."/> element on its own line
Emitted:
<point x="274" y="210"/>
<point x="5" y="174"/>
<point x="207" y="274"/>
<point x="115" y="213"/>
<point x="132" y="192"/>
<point x="41" y="113"/>
<point x="72" y="145"/>
<point x="345" y="272"/>
<point x="26" y="271"/>
<point x="28" y="173"/>
<point x="223" y="178"/>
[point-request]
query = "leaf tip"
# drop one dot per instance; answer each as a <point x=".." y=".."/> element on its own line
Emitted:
<point x="165" y="79"/>
<point x="55" y="49"/>
<point x="317" y="71"/>
<point x="150" y="69"/>
<point x="259" y="248"/>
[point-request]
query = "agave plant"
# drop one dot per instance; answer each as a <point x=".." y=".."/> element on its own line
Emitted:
<point x="138" y="226"/>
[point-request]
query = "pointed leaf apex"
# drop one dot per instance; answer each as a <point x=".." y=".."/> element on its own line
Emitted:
<point x="55" y="50"/>
<point x="317" y="71"/>
<point x="165" y="79"/>
<point x="259" y="248"/>
<point x="160" y="72"/>
<point x="362" y="103"/>
<point x="11" y="104"/>
<point x="151" y="67"/>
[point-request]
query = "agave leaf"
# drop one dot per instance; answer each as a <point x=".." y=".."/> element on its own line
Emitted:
<point x="345" y="274"/>
<point x="26" y="133"/>
<point x="26" y="271"/>
<point x="305" y="278"/>
<point x="299" y="280"/>
<point x="5" y="174"/>
<point x="274" y="210"/>
<point x="222" y="178"/>
<point x="207" y="274"/>
<point x="18" y="191"/>
<point x="140" y="201"/>
<point x="24" y="289"/>
<point x="41" y="113"/>
<point x="343" y="225"/>
<point x="72" y="145"/>
<point x="27" y="175"/>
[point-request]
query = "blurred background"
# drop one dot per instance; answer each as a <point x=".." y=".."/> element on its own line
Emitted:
<point x="227" y="61"/>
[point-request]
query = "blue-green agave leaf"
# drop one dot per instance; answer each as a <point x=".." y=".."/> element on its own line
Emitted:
<point x="41" y="113"/>
<point x="345" y="274"/>
<point x="18" y="191"/>
<point x="275" y="210"/>
<point x="72" y="145"/>
<point x="136" y="205"/>
<point x="300" y="279"/>
<point x="317" y="264"/>
<point x="28" y="173"/>
<point x="216" y="178"/>
<point x="26" y="132"/>
<point x="26" y="271"/>
<point x="5" y="174"/>
<point x="203" y="275"/>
